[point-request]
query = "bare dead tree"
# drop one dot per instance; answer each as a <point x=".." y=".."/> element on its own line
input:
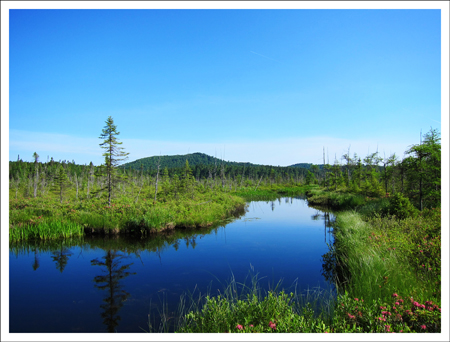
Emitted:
<point x="157" y="174"/>
<point x="259" y="182"/>
<point x="324" y="168"/>
<point x="242" y="178"/>
<point x="36" y="178"/>
<point x="76" y="183"/>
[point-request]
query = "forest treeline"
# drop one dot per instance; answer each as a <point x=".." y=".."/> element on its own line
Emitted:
<point x="417" y="174"/>
<point x="195" y="159"/>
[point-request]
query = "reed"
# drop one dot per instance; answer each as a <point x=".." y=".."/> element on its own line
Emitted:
<point x="27" y="216"/>
<point x="379" y="259"/>
<point x="45" y="231"/>
<point x="247" y="307"/>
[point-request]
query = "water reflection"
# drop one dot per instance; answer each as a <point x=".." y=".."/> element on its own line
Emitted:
<point x="114" y="272"/>
<point x="36" y="259"/>
<point x="328" y="220"/>
<point x="61" y="257"/>
<point x="286" y="244"/>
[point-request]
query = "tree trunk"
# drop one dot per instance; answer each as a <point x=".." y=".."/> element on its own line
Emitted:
<point x="156" y="182"/>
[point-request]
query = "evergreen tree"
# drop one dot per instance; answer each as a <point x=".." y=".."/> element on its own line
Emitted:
<point x="114" y="154"/>
<point x="61" y="182"/>
<point x="36" y="178"/>
<point x="424" y="170"/>
<point x="187" y="180"/>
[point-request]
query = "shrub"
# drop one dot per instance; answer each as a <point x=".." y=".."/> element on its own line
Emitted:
<point x="401" y="207"/>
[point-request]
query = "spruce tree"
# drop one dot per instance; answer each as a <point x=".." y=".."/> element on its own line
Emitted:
<point x="36" y="178"/>
<point x="114" y="154"/>
<point x="61" y="182"/>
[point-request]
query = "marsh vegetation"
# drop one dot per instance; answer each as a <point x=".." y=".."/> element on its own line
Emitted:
<point x="384" y="259"/>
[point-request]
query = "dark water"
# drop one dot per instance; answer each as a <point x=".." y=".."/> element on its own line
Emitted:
<point x="112" y="284"/>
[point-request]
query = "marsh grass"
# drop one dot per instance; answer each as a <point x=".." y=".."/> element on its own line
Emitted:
<point x="30" y="218"/>
<point x="377" y="259"/>
<point x="247" y="303"/>
<point x="45" y="231"/>
<point x="335" y="200"/>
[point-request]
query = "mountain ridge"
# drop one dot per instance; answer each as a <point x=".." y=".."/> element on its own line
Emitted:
<point x="196" y="158"/>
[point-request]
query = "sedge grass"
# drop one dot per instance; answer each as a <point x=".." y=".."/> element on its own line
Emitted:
<point x="248" y="304"/>
<point x="124" y="215"/>
<point x="374" y="271"/>
<point x="45" y="231"/>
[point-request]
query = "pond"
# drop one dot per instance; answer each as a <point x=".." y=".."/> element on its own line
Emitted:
<point x="101" y="284"/>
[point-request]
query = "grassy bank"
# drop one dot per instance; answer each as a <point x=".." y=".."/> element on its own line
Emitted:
<point x="274" y="191"/>
<point x="386" y="264"/>
<point x="338" y="200"/>
<point x="45" y="218"/>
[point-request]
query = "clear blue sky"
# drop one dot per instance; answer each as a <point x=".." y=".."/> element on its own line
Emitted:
<point x="264" y="86"/>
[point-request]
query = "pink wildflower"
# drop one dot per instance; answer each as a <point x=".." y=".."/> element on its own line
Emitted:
<point x="272" y="325"/>
<point x="394" y="295"/>
<point x="356" y="299"/>
<point x="240" y="327"/>
<point x="397" y="303"/>
<point x="251" y="325"/>
<point x="423" y="326"/>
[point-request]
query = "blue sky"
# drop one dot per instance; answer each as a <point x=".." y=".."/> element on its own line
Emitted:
<point x="264" y="86"/>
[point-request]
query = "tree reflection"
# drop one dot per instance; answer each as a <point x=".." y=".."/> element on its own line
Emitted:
<point x="60" y="257"/>
<point x="36" y="260"/>
<point x="110" y="281"/>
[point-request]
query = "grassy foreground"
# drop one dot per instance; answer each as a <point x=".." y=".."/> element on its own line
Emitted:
<point x="386" y="264"/>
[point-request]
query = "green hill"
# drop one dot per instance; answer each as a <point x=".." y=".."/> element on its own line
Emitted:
<point x="306" y="165"/>
<point x="178" y="161"/>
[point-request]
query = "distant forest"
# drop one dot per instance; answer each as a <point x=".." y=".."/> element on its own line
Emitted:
<point x="202" y="166"/>
<point x="416" y="174"/>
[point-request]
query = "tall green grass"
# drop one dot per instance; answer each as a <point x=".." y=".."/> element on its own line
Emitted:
<point x="45" y="231"/>
<point x="246" y="304"/>
<point x="373" y="272"/>
<point x="335" y="200"/>
<point x="123" y="216"/>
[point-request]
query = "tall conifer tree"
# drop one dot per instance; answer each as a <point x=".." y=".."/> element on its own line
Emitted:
<point x="114" y="154"/>
<point x="61" y="182"/>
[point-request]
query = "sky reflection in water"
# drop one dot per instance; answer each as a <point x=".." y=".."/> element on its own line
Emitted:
<point x="102" y="284"/>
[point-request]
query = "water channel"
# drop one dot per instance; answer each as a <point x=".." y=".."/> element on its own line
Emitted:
<point x="107" y="284"/>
